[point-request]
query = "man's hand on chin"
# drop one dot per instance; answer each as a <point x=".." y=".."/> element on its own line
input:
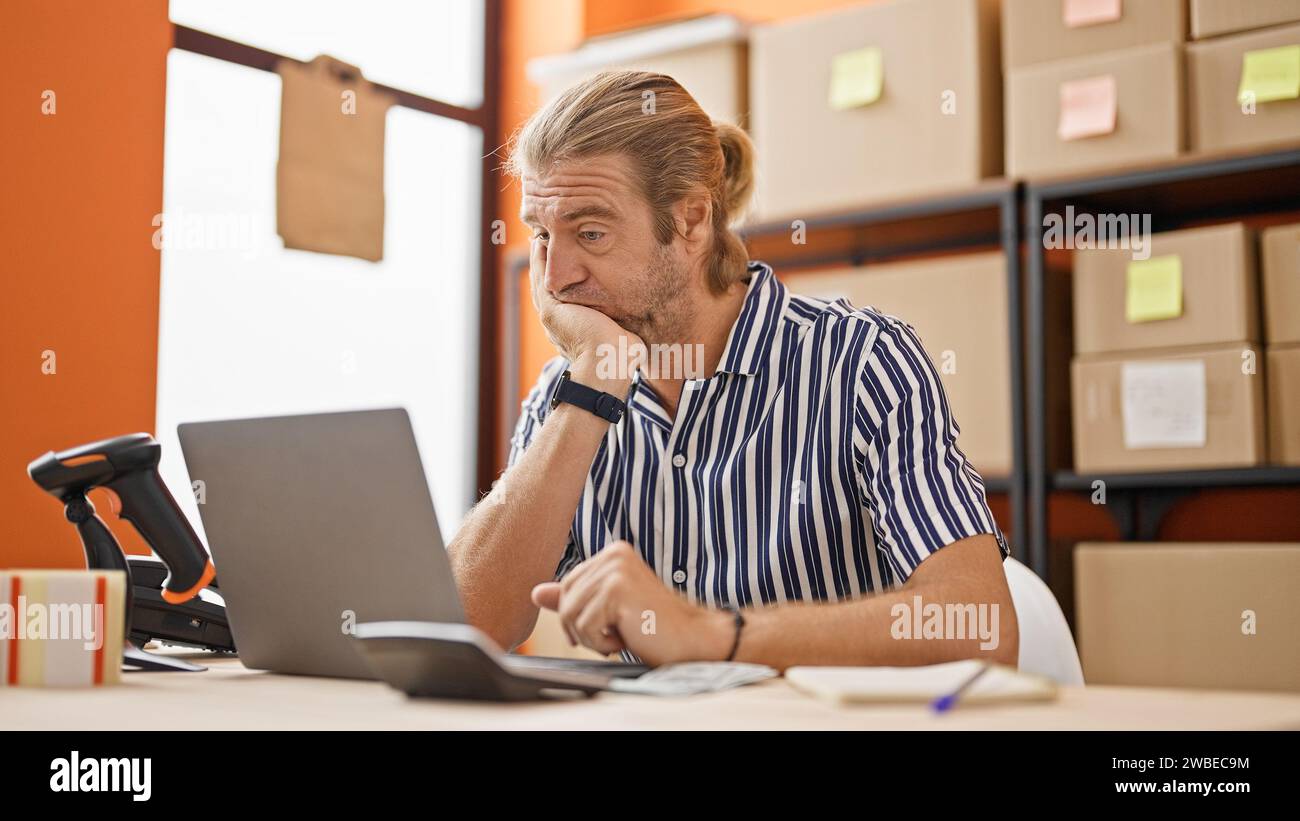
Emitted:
<point x="578" y="331"/>
<point x="614" y="601"/>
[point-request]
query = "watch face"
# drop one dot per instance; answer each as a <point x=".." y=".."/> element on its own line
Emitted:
<point x="555" y="397"/>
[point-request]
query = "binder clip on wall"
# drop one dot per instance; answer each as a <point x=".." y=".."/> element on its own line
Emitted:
<point x="330" y="174"/>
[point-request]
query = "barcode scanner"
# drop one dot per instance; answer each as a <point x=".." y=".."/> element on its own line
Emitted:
<point x="128" y="466"/>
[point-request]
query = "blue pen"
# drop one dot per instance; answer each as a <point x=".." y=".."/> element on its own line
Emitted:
<point x="945" y="703"/>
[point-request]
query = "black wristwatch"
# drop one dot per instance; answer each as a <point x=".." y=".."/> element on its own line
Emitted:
<point x="605" y="405"/>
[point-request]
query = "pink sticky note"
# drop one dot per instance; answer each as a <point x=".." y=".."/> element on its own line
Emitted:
<point x="1089" y="12"/>
<point x="1087" y="108"/>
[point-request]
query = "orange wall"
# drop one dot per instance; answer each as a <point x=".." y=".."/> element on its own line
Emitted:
<point x="80" y="274"/>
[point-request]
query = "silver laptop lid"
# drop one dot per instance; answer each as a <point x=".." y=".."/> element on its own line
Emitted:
<point x="317" y="523"/>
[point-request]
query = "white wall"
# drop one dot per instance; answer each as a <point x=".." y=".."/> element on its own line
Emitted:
<point x="250" y="329"/>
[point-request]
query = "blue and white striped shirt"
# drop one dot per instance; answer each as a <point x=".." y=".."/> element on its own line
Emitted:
<point x="819" y="462"/>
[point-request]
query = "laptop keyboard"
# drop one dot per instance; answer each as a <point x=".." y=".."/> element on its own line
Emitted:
<point x="617" y="669"/>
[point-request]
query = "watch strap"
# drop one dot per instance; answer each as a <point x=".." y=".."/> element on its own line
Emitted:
<point x="605" y="405"/>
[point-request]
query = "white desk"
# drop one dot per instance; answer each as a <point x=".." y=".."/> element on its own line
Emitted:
<point x="228" y="696"/>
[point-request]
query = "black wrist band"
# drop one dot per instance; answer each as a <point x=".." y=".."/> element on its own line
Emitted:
<point x="605" y="405"/>
<point x="740" y="624"/>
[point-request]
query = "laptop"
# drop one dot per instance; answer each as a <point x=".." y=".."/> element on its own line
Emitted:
<point x="331" y="561"/>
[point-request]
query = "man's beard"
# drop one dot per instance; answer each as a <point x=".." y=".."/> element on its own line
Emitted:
<point x="662" y="309"/>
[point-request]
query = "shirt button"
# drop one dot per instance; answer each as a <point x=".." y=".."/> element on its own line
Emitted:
<point x="679" y="460"/>
<point x="679" y="576"/>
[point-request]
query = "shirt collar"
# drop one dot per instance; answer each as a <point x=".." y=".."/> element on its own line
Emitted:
<point x="752" y="336"/>
<point x="749" y="345"/>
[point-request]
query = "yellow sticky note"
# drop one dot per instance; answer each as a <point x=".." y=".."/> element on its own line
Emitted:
<point x="857" y="78"/>
<point x="1269" y="75"/>
<point x="1155" y="289"/>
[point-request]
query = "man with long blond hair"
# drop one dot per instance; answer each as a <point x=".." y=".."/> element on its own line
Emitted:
<point x="789" y="499"/>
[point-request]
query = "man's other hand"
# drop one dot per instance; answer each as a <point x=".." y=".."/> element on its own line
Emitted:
<point x="614" y="601"/>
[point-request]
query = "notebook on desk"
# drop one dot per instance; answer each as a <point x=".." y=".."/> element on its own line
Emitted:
<point x="855" y="685"/>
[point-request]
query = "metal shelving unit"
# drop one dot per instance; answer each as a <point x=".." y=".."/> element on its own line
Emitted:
<point x="1176" y="194"/>
<point x="1226" y="477"/>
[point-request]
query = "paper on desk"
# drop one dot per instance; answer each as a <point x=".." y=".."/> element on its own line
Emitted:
<point x="849" y="685"/>
<point x="693" y="677"/>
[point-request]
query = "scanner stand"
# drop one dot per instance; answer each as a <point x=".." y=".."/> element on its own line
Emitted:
<point x="104" y="553"/>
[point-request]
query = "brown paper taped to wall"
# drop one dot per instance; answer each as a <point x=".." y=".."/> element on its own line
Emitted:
<point x="330" y="177"/>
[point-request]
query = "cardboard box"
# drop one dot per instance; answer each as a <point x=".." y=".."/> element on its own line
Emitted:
<point x="877" y="102"/>
<point x="1214" y="17"/>
<point x="708" y="56"/>
<point x="1187" y="409"/>
<point x="958" y="306"/>
<point x="1115" y="109"/>
<point x="1280" y="257"/>
<point x="1217" y="121"/>
<point x="1034" y="31"/>
<point x="1198" y="287"/>
<point x="1284" y="405"/>
<point x="1213" y="616"/>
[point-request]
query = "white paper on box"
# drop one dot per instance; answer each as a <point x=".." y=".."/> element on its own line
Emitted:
<point x="1163" y="404"/>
